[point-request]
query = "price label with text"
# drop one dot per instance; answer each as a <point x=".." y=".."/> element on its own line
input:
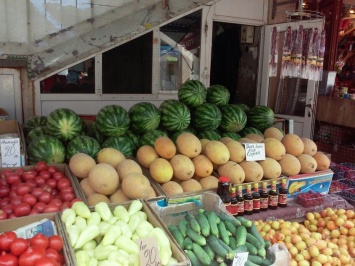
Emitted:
<point x="10" y="152"/>
<point x="240" y="259"/>
<point x="254" y="151"/>
<point x="148" y="251"/>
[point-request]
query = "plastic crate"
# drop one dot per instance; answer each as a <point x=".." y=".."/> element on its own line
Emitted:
<point x="310" y="199"/>
<point x="338" y="185"/>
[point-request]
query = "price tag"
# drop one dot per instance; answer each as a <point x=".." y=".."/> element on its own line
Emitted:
<point x="240" y="259"/>
<point x="148" y="251"/>
<point x="10" y="152"/>
<point x="254" y="151"/>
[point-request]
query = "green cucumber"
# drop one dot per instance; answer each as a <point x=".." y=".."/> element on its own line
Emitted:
<point x="212" y="220"/>
<point x="199" y="239"/>
<point x="232" y="242"/>
<point x="239" y="249"/>
<point x="267" y="244"/>
<point x="187" y="243"/>
<point x="223" y="233"/>
<point x="231" y="228"/>
<point x="216" y="246"/>
<point x="241" y="235"/>
<point x="204" y="224"/>
<point x="193" y="258"/>
<point x="182" y="225"/>
<point x="225" y="217"/>
<point x="227" y="247"/>
<point x="214" y="263"/>
<point x="201" y="254"/>
<point x="207" y="248"/>
<point x="249" y="263"/>
<point x="252" y="240"/>
<point x="255" y="259"/>
<point x="195" y="225"/>
<point x="243" y="221"/>
<point x="262" y="252"/>
<point x="251" y="248"/>
<point x="174" y="230"/>
<point x="254" y="231"/>
<point x="266" y="262"/>
<point x="189" y="216"/>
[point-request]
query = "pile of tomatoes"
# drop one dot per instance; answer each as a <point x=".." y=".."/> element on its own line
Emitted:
<point x="36" y="251"/>
<point x="42" y="189"/>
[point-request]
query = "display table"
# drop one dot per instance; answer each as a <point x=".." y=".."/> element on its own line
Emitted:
<point x="296" y="212"/>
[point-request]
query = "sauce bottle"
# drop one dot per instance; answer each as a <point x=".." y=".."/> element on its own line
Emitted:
<point x="264" y="197"/>
<point x="234" y="201"/>
<point x="282" y="202"/>
<point x="273" y="196"/>
<point x="240" y="199"/>
<point x="223" y="191"/>
<point x="256" y="198"/>
<point x="248" y="201"/>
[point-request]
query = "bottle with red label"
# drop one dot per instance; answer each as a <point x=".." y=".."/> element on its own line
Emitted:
<point x="248" y="201"/>
<point x="264" y="197"/>
<point x="273" y="196"/>
<point x="234" y="201"/>
<point x="223" y="191"/>
<point x="256" y="198"/>
<point x="282" y="202"/>
<point x="240" y="199"/>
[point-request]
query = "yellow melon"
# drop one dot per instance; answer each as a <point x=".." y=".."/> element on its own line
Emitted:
<point x="209" y="182"/>
<point x="233" y="170"/>
<point x="110" y="156"/>
<point x="171" y="188"/>
<point x="191" y="185"/>
<point x="310" y="147"/>
<point x="87" y="189"/>
<point x="246" y="140"/>
<point x="308" y="164"/>
<point x="203" y="145"/>
<point x="273" y="132"/>
<point x="118" y="196"/>
<point x="127" y="166"/>
<point x="323" y="162"/>
<point x="80" y="164"/>
<point x="165" y="147"/>
<point x="103" y="178"/>
<point x="255" y="137"/>
<point x="152" y="193"/>
<point x="253" y="171"/>
<point x="290" y="165"/>
<point x="161" y="170"/>
<point x="217" y="152"/>
<point x="136" y="186"/>
<point x="95" y="198"/>
<point x="188" y="144"/>
<point x="224" y="140"/>
<point x="183" y="167"/>
<point x="203" y="165"/>
<point x="293" y="144"/>
<point x="146" y="155"/>
<point x="236" y="151"/>
<point x="271" y="168"/>
<point x="274" y="149"/>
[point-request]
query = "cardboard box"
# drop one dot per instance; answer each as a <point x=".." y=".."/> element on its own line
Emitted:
<point x="15" y="224"/>
<point x="10" y="128"/>
<point x="154" y="219"/>
<point x="317" y="182"/>
<point x="3" y="115"/>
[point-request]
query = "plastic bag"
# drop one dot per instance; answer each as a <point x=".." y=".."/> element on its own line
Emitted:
<point x="281" y="255"/>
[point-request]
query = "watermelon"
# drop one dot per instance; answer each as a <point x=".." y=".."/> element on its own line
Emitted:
<point x="150" y="136"/>
<point x="36" y="132"/>
<point x="91" y="130"/>
<point x="206" y="116"/>
<point x="175" y="115"/>
<point x="120" y="143"/>
<point x="133" y="138"/>
<point x="144" y="116"/>
<point x="64" y="124"/>
<point x="82" y="144"/>
<point x="234" y="118"/>
<point x="112" y="120"/>
<point x="245" y="107"/>
<point x="33" y="122"/>
<point x="192" y="93"/>
<point x="250" y="130"/>
<point x="218" y="95"/>
<point x="261" y="117"/>
<point x="232" y="135"/>
<point x="46" y="148"/>
<point x="209" y="134"/>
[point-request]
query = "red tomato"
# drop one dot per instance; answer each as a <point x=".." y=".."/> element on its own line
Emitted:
<point x="6" y="172"/>
<point x="41" y="166"/>
<point x="58" y="175"/>
<point x="60" y="258"/>
<point x="18" y="246"/>
<point x="16" y="200"/>
<point x="67" y="196"/>
<point x="12" y="194"/>
<point x="45" y="261"/>
<point x="74" y="200"/>
<point x="63" y="183"/>
<point x="65" y="205"/>
<point x="39" y="206"/>
<point x="34" y="211"/>
<point x="31" y="183"/>
<point x="47" y="188"/>
<point x="45" y="197"/>
<point x="67" y="189"/>
<point x="9" y="208"/>
<point x="36" y="191"/>
<point x="8" y="260"/>
<point x="4" y="191"/>
<point x="52" y="254"/>
<point x="29" y="175"/>
<point x="22" y="209"/>
<point x="19" y="171"/>
<point x="11" y="216"/>
<point x="12" y="178"/>
<point x="56" y="202"/>
<point x="3" y="215"/>
<point x="39" y="240"/>
<point x="4" y="202"/>
<point x="52" y="182"/>
<point x="55" y="242"/>
<point x="30" y="199"/>
<point x="22" y="189"/>
<point x="3" y="181"/>
<point x="31" y="256"/>
<point x="46" y="174"/>
<point x="40" y="181"/>
<point x="6" y="240"/>
<point x="52" y="169"/>
<point x="55" y="193"/>
<point x="51" y="208"/>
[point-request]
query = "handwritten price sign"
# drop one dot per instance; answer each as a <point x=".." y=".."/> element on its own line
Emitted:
<point x="240" y="259"/>
<point x="148" y="252"/>
<point x="10" y="152"/>
<point x="254" y="151"/>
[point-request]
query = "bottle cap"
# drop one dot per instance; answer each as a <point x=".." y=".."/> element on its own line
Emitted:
<point x="224" y="179"/>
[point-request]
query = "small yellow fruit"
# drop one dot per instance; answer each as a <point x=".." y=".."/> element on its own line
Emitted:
<point x="301" y="245"/>
<point x="313" y="251"/>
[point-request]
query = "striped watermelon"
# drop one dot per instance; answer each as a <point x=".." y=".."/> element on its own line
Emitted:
<point x="192" y="93"/>
<point x="92" y="131"/>
<point x="206" y="116"/>
<point x="82" y="144"/>
<point x="150" y="136"/>
<point x="64" y="124"/>
<point x="261" y="117"/>
<point x="175" y="115"/>
<point x="144" y="116"/>
<point x="234" y="118"/>
<point x="33" y="122"/>
<point x="232" y="135"/>
<point x="46" y="148"/>
<point x="209" y="134"/>
<point x="121" y="143"/>
<point x="245" y="107"/>
<point x="36" y="132"/>
<point x="250" y="130"/>
<point x="218" y="95"/>
<point x="133" y="138"/>
<point x="112" y="120"/>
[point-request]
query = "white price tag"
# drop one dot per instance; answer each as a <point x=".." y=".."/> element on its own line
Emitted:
<point x="240" y="259"/>
<point x="148" y="251"/>
<point x="254" y="151"/>
<point x="10" y="152"/>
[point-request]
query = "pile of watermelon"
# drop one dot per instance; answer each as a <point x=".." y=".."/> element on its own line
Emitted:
<point x="206" y="112"/>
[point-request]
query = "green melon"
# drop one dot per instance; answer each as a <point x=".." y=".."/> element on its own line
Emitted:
<point x="206" y="116"/>
<point x="121" y="143"/>
<point x="250" y="130"/>
<point x="150" y="136"/>
<point x="46" y="148"/>
<point x="144" y="116"/>
<point x="232" y="135"/>
<point x="82" y="144"/>
<point x="36" y="132"/>
<point x="218" y="95"/>
<point x="175" y="115"/>
<point x="209" y="134"/>
<point x="234" y="118"/>
<point x="112" y="120"/>
<point x="261" y="117"/>
<point x="192" y="93"/>
<point x="33" y="122"/>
